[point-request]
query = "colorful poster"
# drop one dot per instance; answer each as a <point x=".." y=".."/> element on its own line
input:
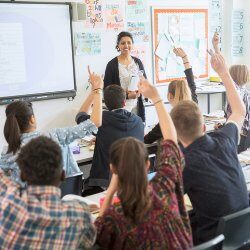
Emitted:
<point x="87" y="43"/>
<point x="136" y="10"/>
<point x="139" y="30"/>
<point x="94" y="14"/>
<point x="114" y="15"/>
<point x="140" y="51"/>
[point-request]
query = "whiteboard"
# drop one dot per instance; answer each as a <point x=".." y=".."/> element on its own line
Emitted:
<point x="36" y="58"/>
<point x="186" y="28"/>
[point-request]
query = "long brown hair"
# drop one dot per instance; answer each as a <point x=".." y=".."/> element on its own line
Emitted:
<point x="180" y="91"/>
<point x="18" y="115"/>
<point x="129" y="157"/>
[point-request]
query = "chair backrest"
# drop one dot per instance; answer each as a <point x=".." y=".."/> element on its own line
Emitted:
<point x="72" y="185"/>
<point x="236" y="229"/>
<point x="214" y="244"/>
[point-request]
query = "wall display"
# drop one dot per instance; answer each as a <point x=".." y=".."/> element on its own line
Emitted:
<point x="87" y="43"/>
<point x="114" y="15"/>
<point x="94" y="14"/>
<point x="186" y="28"/>
<point x="238" y="33"/>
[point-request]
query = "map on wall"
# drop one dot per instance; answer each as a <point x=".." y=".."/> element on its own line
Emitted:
<point x="173" y="28"/>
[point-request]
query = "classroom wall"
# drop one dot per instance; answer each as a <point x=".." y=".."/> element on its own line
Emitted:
<point x="61" y="112"/>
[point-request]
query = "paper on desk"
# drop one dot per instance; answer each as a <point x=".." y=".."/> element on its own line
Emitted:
<point x="73" y="197"/>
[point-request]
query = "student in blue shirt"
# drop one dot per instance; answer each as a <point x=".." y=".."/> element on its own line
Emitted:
<point x="20" y="128"/>
<point x="213" y="177"/>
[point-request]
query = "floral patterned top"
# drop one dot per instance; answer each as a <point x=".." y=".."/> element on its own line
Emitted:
<point x="166" y="225"/>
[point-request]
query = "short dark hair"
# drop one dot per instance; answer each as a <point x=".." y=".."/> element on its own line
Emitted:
<point x="40" y="160"/>
<point x="120" y="36"/>
<point x="114" y="97"/>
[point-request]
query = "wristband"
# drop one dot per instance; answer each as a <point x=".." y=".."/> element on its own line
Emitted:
<point x="185" y="62"/>
<point x="97" y="91"/>
<point x="184" y="56"/>
<point x="158" y="101"/>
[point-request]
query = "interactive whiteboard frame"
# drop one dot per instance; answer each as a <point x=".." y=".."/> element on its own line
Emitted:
<point x="70" y="94"/>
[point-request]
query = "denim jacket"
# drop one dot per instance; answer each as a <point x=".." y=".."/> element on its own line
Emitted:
<point x="63" y="136"/>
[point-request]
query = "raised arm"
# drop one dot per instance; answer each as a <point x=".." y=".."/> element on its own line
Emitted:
<point x="166" y="123"/>
<point x="188" y="72"/>
<point x="97" y="87"/>
<point x="236" y="104"/>
<point x="215" y="42"/>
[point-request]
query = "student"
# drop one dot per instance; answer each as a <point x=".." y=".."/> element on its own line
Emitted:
<point x="212" y="177"/>
<point x="36" y="217"/>
<point x="178" y="90"/>
<point x="240" y="76"/>
<point x="117" y="123"/>
<point x="20" y="127"/>
<point x="149" y="215"/>
<point x="122" y="68"/>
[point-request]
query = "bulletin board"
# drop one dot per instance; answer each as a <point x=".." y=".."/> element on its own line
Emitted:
<point x="186" y="28"/>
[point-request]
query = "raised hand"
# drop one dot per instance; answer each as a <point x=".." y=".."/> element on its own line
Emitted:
<point x="219" y="65"/>
<point x="215" y="42"/>
<point x="95" y="80"/>
<point x="148" y="90"/>
<point x="179" y="52"/>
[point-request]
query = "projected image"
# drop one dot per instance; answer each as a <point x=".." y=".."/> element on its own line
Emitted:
<point x="35" y="49"/>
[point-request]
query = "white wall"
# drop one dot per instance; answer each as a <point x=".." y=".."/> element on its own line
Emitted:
<point x="61" y="112"/>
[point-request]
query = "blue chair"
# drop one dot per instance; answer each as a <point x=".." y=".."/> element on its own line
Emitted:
<point x="236" y="229"/>
<point x="214" y="244"/>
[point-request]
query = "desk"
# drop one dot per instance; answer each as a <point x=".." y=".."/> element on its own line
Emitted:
<point x="210" y="90"/>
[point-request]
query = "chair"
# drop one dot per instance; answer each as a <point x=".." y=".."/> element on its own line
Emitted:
<point x="214" y="244"/>
<point x="236" y="229"/>
<point x="72" y="185"/>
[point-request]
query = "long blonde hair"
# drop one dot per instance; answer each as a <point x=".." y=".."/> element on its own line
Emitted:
<point x="180" y="91"/>
<point x="240" y="74"/>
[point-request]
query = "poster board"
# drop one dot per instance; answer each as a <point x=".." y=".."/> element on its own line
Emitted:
<point x="186" y="28"/>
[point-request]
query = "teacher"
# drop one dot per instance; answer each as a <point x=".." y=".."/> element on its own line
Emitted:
<point x="125" y="70"/>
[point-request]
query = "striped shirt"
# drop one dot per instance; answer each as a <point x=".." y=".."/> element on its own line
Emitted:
<point x="37" y="218"/>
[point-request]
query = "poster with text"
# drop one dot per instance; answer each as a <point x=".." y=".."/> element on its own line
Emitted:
<point x="136" y="10"/>
<point x="139" y="30"/>
<point x="87" y="43"/>
<point x="140" y="51"/>
<point x="94" y="14"/>
<point x="114" y="14"/>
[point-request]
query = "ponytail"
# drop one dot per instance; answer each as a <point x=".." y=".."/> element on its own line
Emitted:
<point x="12" y="133"/>
<point x="17" y="122"/>
<point x="180" y="90"/>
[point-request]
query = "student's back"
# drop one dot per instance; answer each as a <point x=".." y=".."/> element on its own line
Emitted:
<point x="116" y="124"/>
<point x="213" y="180"/>
<point x="36" y="217"/>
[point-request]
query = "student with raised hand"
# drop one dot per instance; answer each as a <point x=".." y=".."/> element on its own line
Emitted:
<point x="213" y="177"/>
<point x="150" y="215"/>
<point x="241" y="76"/>
<point x="178" y="90"/>
<point x="117" y="123"/>
<point x="20" y="127"/>
<point x="36" y="217"/>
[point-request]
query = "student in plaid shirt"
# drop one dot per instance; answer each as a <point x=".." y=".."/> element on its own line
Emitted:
<point x="36" y="217"/>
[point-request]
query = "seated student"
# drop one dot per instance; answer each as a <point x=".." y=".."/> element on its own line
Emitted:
<point x="117" y="123"/>
<point x="178" y="90"/>
<point x="150" y="215"/>
<point x="36" y="217"/>
<point x="212" y="177"/>
<point x="240" y="76"/>
<point x="20" y="127"/>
